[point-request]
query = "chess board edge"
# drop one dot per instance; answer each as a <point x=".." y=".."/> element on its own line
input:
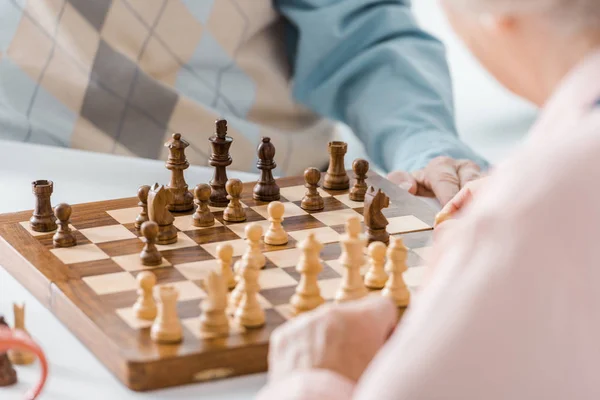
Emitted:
<point x="62" y="291"/>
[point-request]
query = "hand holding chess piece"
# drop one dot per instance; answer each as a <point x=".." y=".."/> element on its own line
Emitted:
<point x="234" y="211"/>
<point x="213" y="320"/>
<point x="312" y="200"/>
<point x="276" y="235"/>
<point x="150" y="256"/>
<point x="202" y="217"/>
<point x="64" y="236"/>
<point x="145" y="306"/>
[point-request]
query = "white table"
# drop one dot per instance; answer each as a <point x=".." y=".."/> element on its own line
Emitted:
<point x="79" y="177"/>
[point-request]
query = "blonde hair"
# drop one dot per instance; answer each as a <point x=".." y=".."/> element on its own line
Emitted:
<point x="573" y="14"/>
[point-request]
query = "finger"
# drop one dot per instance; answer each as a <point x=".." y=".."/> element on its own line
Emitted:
<point x="462" y="198"/>
<point x="381" y="312"/>
<point x="442" y="177"/>
<point x="405" y="180"/>
<point x="467" y="171"/>
<point x="422" y="189"/>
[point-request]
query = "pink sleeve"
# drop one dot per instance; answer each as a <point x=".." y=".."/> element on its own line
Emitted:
<point x="316" y="384"/>
<point x="511" y="310"/>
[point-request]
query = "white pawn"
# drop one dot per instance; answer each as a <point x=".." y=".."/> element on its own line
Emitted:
<point x="308" y="295"/>
<point x="253" y="233"/>
<point x="276" y="235"/>
<point x="395" y="288"/>
<point x="249" y="313"/>
<point x="213" y="320"/>
<point x="167" y="327"/>
<point x="375" y="278"/>
<point x="145" y="307"/>
<point x="225" y="255"/>
<point x="352" y="259"/>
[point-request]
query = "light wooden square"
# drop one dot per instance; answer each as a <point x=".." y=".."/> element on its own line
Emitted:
<point x="79" y="253"/>
<point x="285" y="310"/>
<point x="108" y="233"/>
<point x="407" y="223"/>
<point x="25" y="225"/>
<point x="296" y="193"/>
<point x="183" y="240"/>
<point x="337" y="266"/>
<point x="188" y="290"/>
<point x="329" y="287"/>
<point x="345" y="199"/>
<point x="132" y="262"/>
<point x="240" y="229"/>
<point x="284" y="258"/>
<point x="424" y="252"/>
<point x="198" y="269"/>
<point x="323" y="235"/>
<point x="275" y="278"/>
<point x="291" y="210"/>
<point x="111" y="283"/>
<point x="339" y="217"/>
<point x="125" y="215"/>
<point x="239" y="247"/>
<point x="186" y="223"/>
<point x="130" y="319"/>
<point x="193" y="325"/>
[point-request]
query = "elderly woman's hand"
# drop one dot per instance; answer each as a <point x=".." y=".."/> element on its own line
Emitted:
<point x="442" y="178"/>
<point x="341" y="338"/>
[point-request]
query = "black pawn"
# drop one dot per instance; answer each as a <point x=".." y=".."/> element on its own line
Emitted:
<point x="143" y="203"/>
<point x="64" y="236"/>
<point x="360" y="168"/>
<point x="312" y="200"/>
<point x="266" y="188"/>
<point x="202" y="217"/>
<point x="150" y="255"/>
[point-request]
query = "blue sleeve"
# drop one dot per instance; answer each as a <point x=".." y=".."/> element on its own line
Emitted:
<point x="367" y="63"/>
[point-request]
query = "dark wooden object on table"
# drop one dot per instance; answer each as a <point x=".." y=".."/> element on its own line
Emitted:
<point x="63" y="237"/>
<point x="150" y="256"/>
<point x="266" y="188"/>
<point x="8" y="375"/>
<point x="312" y="200"/>
<point x="202" y="217"/>
<point x="234" y="211"/>
<point x="360" y="168"/>
<point x="375" y="221"/>
<point x="43" y="219"/>
<point x="336" y="177"/>
<point x="143" y="203"/>
<point x="177" y="163"/>
<point x="159" y="199"/>
<point x="220" y="159"/>
<point x="130" y="354"/>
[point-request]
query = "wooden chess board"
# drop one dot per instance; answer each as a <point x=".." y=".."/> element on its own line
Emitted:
<point x="91" y="287"/>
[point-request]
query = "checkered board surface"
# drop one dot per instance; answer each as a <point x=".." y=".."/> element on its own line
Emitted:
<point x="101" y="271"/>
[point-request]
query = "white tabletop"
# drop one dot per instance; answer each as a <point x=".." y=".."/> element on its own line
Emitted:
<point x="79" y="177"/>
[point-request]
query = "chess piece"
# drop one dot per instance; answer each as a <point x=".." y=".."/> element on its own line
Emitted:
<point x="234" y="211"/>
<point x="375" y="278"/>
<point x="150" y="256"/>
<point x="202" y="217"/>
<point x="308" y="295"/>
<point x="360" y="168"/>
<point x="145" y="307"/>
<point x="312" y="200"/>
<point x="249" y="313"/>
<point x="19" y="356"/>
<point x="213" y="320"/>
<point x="166" y="328"/>
<point x="220" y="159"/>
<point x="375" y="221"/>
<point x="253" y="233"/>
<point x="158" y="200"/>
<point x="64" y="236"/>
<point x="266" y="188"/>
<point x="143" y="203"/>
<point x="395" y="288"/>
<point x="352" y="259"/>
<point x="276" y="235"/>
<point x="8" y="375"/>
<point x="225" y="255"/>
<point x="182" y="199"/>
<point x="336" y="177"/>
<point x="43" y="219"/>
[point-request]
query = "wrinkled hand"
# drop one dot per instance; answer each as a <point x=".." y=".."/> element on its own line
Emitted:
<point x="442" y="178"/>
<point x="341" y="338"/>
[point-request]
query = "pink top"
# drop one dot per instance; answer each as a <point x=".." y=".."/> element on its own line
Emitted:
<point x="513" y="308"/>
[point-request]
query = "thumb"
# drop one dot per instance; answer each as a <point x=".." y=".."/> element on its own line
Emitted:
<point x="405" y="180"/>
<point x="443" y="179"/>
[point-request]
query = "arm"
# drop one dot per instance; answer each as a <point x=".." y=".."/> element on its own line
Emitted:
<point x="367" y="63"/>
